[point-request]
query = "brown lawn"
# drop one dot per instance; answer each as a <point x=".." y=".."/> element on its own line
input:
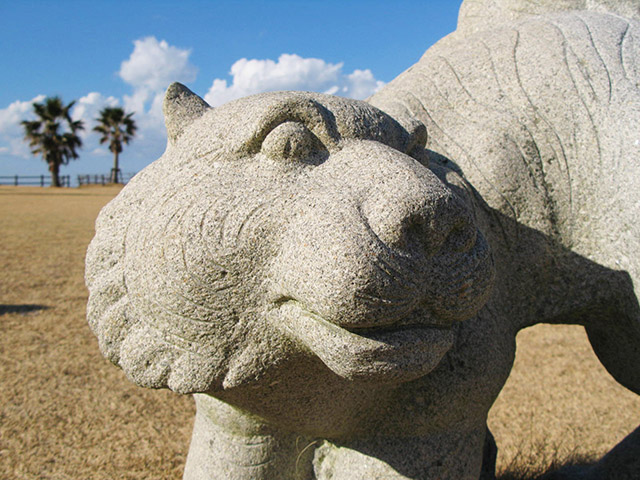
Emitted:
<point x="66" y="413"/>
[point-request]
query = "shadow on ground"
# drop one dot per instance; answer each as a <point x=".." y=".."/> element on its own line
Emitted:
<point x="21" y="309"/>
<point x="572" y="468"/>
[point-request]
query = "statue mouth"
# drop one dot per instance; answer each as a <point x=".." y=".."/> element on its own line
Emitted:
<point x="385" y="355"/>
<point x="396" y="346"/>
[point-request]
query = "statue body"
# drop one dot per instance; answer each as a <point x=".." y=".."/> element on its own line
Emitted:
<point x="541" y="117"/>
<point x="323" y="283"/>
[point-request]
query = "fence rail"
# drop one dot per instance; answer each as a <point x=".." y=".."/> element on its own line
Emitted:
<point x="33" y="180"/>
<point x="65" y="180"/>
<point x="101" y="179"/>
<point x="93" y="179"/>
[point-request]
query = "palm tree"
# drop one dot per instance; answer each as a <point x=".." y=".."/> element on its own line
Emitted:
<point x="47" y="138"/>
<point x="116" y="128"/>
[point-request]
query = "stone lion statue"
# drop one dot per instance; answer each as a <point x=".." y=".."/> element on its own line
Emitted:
<point x="317" y="270"/>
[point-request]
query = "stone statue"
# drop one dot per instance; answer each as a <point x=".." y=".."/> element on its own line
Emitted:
<point x="318" y="279"/>
<point x="537" y="105"/>
<point x="287" y="260"/>
<point x="542" y="117"/>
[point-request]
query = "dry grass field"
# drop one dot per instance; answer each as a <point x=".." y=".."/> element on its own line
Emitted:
<point x="66" y="413"/>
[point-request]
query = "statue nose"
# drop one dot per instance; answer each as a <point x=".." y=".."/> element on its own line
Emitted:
<point x="418" y="212"/>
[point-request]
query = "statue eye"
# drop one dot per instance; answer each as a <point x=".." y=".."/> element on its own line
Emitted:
<point x="294" y="141"/>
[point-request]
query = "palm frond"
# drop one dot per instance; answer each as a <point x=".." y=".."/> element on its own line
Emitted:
<point x="53" y="135"/>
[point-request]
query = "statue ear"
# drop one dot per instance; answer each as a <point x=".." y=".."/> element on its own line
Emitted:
<point x="418" y="137"/>
<point x="181" y="107"/>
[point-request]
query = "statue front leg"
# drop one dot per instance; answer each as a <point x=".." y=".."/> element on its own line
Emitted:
<point x="232" y="445"/>
<point x="449" y="455"/>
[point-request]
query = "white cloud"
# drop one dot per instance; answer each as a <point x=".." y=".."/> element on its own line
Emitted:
<point x="88" y="108"/>
<point x="11" y="131"/>
<point x="291" y="72"/>
<point x="100" y="152"/>
<point x="16" y="112"/>
<point x="150" y="68"/>
<point x="19" y="148"/>
<point x="360" y="84"/>
<point x="136" y="102"/>
<point x="154" y="64"/>
<point x="148" y="116"/>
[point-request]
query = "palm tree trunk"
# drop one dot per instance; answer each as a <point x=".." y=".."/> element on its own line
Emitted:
<point x="115" y="170"/>
<point x="55" y="177"/>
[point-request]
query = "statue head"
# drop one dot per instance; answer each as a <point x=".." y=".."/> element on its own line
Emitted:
<point x="283" y="225"/>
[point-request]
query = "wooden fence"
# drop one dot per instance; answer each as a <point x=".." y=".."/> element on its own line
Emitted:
<point x="33" y="180"/>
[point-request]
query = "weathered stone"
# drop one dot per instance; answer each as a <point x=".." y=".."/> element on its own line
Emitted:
<point x="293" y="262"/>
<point x="484" y="15"/>
<point x="542" y="117"/>
<point x="286" y="257"/>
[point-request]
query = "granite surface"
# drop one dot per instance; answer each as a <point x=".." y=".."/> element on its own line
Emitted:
<point x="340" y="283"/>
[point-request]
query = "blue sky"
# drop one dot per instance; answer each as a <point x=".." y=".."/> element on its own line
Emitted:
<point x="125" y="53"/>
